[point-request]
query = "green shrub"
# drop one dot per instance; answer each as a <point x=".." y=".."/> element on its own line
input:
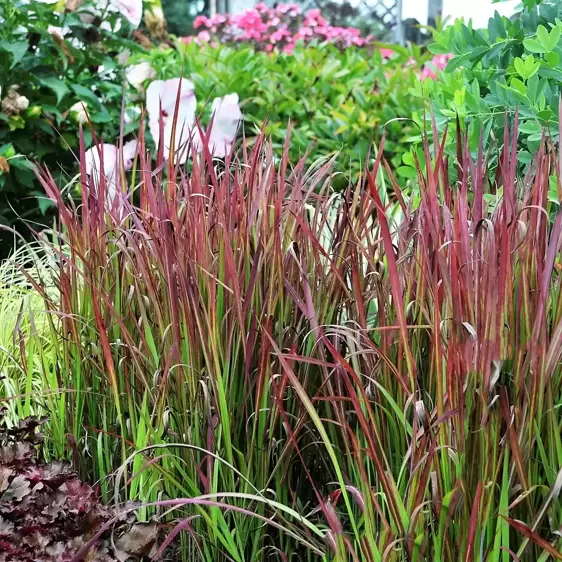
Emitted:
<point x="180" y="15"/>
<point x="51" y="62"/>
<point x="335" y="102"/>
<point x="513" y="65"/>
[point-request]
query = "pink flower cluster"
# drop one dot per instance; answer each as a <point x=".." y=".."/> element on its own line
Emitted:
<point x="435" y="65"/>
<point x="279" y="28"/>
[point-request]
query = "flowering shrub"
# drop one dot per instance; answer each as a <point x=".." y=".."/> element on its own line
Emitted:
<point x="279" y="28"/>
<point x="171" y="106"/>
<point x="58" y="69"/>
<point x="338" y="102"/>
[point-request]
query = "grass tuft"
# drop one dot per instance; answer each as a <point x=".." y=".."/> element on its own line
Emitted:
<point x="314" y="381"/>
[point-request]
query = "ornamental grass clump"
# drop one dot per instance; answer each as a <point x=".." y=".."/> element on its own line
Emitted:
<point x="274" y="370"/>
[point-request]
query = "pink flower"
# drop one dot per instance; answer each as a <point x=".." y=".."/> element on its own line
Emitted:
<point x="284" y="8"/>
<point x="129" y="9"/>
<point x="138" y="74"/>
<point x="279" y="35"/>
<point x="289" y="48"/>
<point x="305" y="32"/>
<point x="250" y="21"/>
<point x="225" y="121"/>
<point x="204" y="36"/>
<point x="440" y="61"/>
<point x="164" y="94"/>
<point x="263" y="27"/>
<point x="218" y="19"/>
<point x="314" y="18"/>
<point x="110" y="155"/>
<point x="386" y="53"/>
<point x="201" y="21"/>
<point x="428" y="72"/>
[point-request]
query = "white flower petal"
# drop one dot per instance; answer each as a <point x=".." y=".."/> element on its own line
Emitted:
<point x="94" y="168"/>
<point x="137" y="75"/>
<point x="225" y="122"/>
<point x="129" y="152"/>
<point x="131" y="10"/>
<point x="163" y="95"/>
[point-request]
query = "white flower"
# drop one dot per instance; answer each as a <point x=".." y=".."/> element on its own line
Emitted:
<point x="58" y="32"/>
<point x="106" y="74"/>
<point x="123" y="56"/>
<point x="163" y="95"/>
<point x="131" y="114"/>
<point x="80" y="109"/>
<point x="131" y="10"/>
<point x="22" y="103"/>
<point x="14" y="103"/>
<point x="158" y="13"/>
<point x="137" y="75"/>
<point x="106" y="26"/>
<point x="110" y="155"/>
<point x="225" y="121"/>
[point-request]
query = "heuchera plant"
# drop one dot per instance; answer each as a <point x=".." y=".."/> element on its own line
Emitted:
<point x="279" y="28"/>
<point x="47" y="514"/>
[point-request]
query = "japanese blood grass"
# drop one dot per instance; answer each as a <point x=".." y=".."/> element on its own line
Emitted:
<point x="396" y="391"/>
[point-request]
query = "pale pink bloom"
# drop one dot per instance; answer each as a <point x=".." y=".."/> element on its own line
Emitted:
<point x="164" y="94"/>
<point x="225" y="121"/>
<point x="386" y="53"/>
<point x="279" y="35"/>
<point x="58" y="32"/>
<point x="138" y="74"/>
<point x="80" y="111"/>
<point x="314" y="18"/>
<point x="110" y="170"/>
<point x="289" y="48"/>
<point x="428" y="72"/>
<point x="131" y="10"/>
<point x="261" y="7"/>
<point x="304" y="33"/>
<point x="204" y="36"/>
<point x="440" y="61"/>
<point x="218" y="19"/>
